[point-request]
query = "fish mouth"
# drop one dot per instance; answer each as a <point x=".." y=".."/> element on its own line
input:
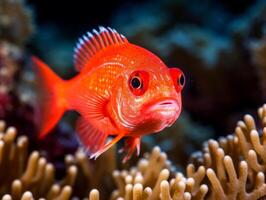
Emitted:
<point x="167" y="107"/>
<point x="166" y="110"/>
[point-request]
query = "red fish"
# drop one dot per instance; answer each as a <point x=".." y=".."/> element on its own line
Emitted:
<point x="122" y="90"/>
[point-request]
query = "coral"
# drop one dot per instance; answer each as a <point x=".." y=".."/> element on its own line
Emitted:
<point x="231" y="168"/>
<point x="15" y="21"/>
<point x="21" y="173"/>
<point x="143" y="177"/>
<point x="237" y="159"/>
<point x="235" y="166"/>
<point x="15" y="29"/>
<point x="92" y="174"/>
<point x="17" y="82"/>
<point x="155" y="178"/>
<point x="9" y="56"/>
<point x="31" y="175"/>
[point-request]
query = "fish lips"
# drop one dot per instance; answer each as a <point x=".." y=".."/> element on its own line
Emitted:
<point x="165" y="111"/>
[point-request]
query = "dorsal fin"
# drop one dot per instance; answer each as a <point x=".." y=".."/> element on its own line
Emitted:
<point x="92" y="43"/>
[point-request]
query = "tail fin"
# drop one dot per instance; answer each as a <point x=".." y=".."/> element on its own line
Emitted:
<point x="50" y="97"/>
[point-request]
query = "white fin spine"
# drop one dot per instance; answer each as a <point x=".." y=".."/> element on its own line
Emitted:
<point x="93" y="42"/>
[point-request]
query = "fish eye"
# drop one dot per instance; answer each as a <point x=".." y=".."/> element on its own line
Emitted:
<point x="178" y="78"/>
<point x="181" y="80"/>
<point x="136" y="82"/>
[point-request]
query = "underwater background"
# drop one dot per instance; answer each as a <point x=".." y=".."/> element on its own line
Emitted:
<point x="219" y="45"/>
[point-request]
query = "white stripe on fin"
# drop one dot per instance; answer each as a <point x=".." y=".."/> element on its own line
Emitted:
<point x="91" y="43"/>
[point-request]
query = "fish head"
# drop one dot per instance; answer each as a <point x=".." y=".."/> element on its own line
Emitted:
<point x="147" y="95"/>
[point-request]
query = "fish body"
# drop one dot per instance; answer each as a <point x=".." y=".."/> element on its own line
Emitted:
<point x="122" y="90"/>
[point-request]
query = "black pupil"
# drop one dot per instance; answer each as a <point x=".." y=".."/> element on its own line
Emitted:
<point x="182" y="80"/>
<point x="136" y="83"/>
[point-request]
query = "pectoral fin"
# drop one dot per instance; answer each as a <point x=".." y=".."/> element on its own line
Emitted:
<point x="107" y="146"/>
<point x="91" y="138"/>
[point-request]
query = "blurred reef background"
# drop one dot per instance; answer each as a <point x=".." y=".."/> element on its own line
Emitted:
<point x="220" y="46"/>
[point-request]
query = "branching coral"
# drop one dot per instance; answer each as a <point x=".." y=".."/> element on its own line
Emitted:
<point x="139" y="181"/>
<point x="92" y="174"/>
<point x="34" y="177"/>
<point x="236" y="164"/>
<point x="20" y="173"/>
<point x="231" y="168"/>
<point x="31" y="175"/>
<point x="154" y="178"/>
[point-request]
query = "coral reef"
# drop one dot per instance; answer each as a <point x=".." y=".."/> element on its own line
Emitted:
<point x="207" y="49"/>
<point x="231" y="168"/>
<point x="235" y="165"/>
<point x="17" y="82"/>
<point x="21" y="172"/>
<point x="31" y="175"/>
<point x="15" y="29"/>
